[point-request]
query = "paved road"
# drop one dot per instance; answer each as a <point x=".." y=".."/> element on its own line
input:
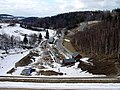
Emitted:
<point x="61" y="48"/>
<point x="61" y="79"/>
<point x="59" y="42"/>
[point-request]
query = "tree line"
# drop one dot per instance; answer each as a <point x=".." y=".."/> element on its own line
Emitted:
<point x="33" y="38"/>
<point x="9" y="42"/>
<point x="65" y="20"/>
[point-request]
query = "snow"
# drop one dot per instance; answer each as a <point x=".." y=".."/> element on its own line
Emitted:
<point x="18" y="71"/>
<point x="85" y="60"/>
<point x="9" y="61"/>
<point x="67" y="40"/>
<point x="70" y="71"/>
<point x="78" y="86"/>
<point x="19" y="31"/>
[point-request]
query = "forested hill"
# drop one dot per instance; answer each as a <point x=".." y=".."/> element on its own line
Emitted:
<point x="101" y="42"/>
<point x="66" y="20"/>
<point x="102" y="38"/>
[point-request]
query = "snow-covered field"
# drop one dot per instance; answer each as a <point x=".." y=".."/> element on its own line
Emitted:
<point x="9" y="61"/>
<point x="18" y="31"/>
<point x="67" y="86"/>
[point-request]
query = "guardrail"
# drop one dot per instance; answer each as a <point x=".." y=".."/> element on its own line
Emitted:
<point x="61" y="79"/>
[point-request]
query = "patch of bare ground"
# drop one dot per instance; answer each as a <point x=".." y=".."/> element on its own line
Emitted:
<point x="58" y="55"/>
<point x="39" y="66"/>
<point x="49" y="73"/>
<point x="100" y="66"/>
<point x="71" y="47"/>
<point x="11" y="71"/>
<point x="68" y="45"/>
<point x="26" y="60"/>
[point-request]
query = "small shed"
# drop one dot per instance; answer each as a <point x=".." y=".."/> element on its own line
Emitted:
<point x="68" y="61"/>
<point x="76" y="56"/>
<point x="27" y="71"/>
<point x="51" y="40"/>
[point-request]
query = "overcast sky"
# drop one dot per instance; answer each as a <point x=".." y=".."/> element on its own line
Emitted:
<point x="42" y="8"/>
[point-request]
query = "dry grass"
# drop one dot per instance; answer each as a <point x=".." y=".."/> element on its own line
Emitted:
<point x="24" y="61"/>
<point x="68" y="45"/>
<point x="61" y="57"/>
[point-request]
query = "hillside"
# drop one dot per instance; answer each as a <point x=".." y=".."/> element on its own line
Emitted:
<point x="65" y="20"/>
<point x="98" y="41"/>
<point x="101" y="42"/>
<point x="9" y="18"/>
<point x="42" y="59"/>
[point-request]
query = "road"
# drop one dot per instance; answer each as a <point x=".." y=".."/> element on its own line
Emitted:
<point x="59" y="42"/>
<point x="61" y="48"/>
<point x="52" y="79"/>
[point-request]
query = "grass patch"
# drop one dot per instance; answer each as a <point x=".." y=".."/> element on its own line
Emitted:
<point x="68" y="45"/>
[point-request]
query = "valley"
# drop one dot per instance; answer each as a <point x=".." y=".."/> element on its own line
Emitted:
<point x="43" y="57"/>
<point x="71" y="50"/>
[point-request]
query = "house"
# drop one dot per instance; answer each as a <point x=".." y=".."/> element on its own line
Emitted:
<point x="76" y="56"/>
<point x="51" y="40"/>
<point x="68" y="61"/>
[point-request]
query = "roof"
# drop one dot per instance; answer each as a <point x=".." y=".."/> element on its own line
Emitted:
<point x="26" y="71"/>
<point x="75" y="54"/>
<point x="69" y="60"/>
<point x="51" y="40"/>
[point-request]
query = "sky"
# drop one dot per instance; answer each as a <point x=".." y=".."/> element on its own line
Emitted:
<point x="43" y="8"/>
